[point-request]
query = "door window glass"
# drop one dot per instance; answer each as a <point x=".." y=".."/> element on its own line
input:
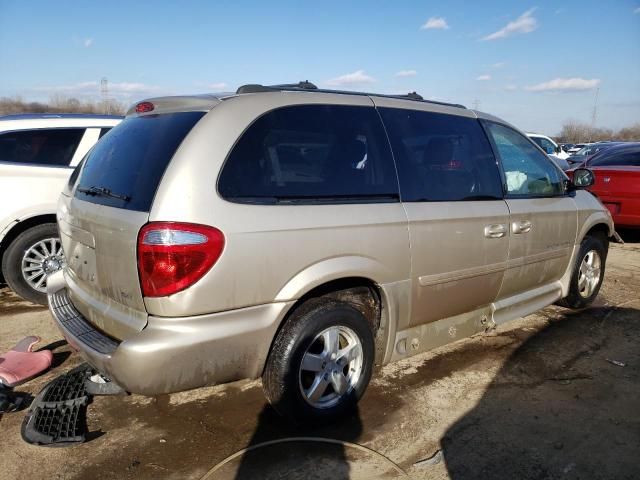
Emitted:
<point x="528" y="172"/>
<point x="441" y="157"/>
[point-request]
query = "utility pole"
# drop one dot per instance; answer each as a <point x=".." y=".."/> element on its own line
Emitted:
<point x="104" y="91"/>
<point x="476" y="104"/>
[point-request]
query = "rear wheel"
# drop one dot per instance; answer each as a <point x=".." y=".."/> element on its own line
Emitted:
<point x="320" y="363"/>
<point x="588" y="272"/>
<point x="29" y="260"/>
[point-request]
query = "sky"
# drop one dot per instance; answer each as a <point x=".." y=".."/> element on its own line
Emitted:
<point x="533" y="63"/>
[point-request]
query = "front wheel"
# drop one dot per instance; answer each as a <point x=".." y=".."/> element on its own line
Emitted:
<point x="588" y="272"/>
<point x="320" y="363"/>
<point x="29" y="260"/>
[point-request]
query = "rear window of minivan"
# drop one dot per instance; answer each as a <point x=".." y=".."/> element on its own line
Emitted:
<point x="129" y="163"/>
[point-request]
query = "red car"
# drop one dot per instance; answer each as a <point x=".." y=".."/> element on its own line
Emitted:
<point x="617" y="182"/>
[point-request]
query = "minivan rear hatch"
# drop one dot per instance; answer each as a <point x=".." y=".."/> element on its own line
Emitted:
<point x="100" y="221"/>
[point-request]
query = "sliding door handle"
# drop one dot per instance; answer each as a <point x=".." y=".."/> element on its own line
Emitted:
<point x="497" y="230"/>
<point x="521" y="227"/>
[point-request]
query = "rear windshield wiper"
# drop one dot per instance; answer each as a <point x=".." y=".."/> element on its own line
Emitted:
<point x="103" y="192"/>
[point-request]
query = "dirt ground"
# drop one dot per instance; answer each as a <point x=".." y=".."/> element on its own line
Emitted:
<point x="540" y="398"/>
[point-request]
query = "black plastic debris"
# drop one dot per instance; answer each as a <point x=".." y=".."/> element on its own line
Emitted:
<point x="11" y="401"/>
<point x="57" y="416"/>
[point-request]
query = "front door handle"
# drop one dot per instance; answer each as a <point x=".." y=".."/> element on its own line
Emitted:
<point x="497" y="230"/>
<point x="521" y="227"/>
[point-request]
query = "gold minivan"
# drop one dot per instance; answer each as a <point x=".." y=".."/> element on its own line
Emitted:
<point x="304" y="235"/>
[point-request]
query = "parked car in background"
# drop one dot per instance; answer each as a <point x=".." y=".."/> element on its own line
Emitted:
<point x="548" y="145"/>
<point x="552" y="149"/>
<point x="566" y="146"/>
<point x="304" y="235"/>
<point x="576" y="148"/>
<point x="562" y="163"/>
<point x="37" y="155"/>
<point x="586" y="152"/>
<point x="625" y="154"/>
<point x="617" y="182"/>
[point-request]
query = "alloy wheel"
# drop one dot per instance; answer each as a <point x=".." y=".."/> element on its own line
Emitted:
<point x="589" y="274"/>
<point x="41" y="260"/>
<point x="331" y="367"/>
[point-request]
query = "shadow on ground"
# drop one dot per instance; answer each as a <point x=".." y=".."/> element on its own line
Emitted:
<point x="560" y="407"/>
<point x="629" y="235"/>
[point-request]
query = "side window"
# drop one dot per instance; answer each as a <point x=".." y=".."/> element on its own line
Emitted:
<point x="441" y="157"/>
<point x="48" y="147"/>
<point x="328" y="153"/>
<point x="528" y="172"/>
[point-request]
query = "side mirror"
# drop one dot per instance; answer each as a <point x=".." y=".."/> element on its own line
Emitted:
<point x="583" y="178"/>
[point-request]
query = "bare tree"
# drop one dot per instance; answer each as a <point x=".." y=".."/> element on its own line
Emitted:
<point x="578" y="132"/>
<point x="59" y="103"/>
<point x="630" y="134"/>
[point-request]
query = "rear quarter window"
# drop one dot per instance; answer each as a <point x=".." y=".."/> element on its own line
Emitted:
<point x="130" y="161"/>
<point x="309" y="154"/>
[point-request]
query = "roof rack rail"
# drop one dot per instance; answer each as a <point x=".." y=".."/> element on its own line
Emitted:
<point x="256" y="88"/>
<point x="412" y="96"/>
<point x="308" y="86"/>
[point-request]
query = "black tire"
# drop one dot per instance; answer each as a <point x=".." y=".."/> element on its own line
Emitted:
<point x="281" y="378"/>
<point x="575" y="299"/>
<point x="12" y="261"/>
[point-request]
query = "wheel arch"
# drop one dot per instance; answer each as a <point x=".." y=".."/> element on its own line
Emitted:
<point x="598" y="222"/>
<point x="363" y="293"/>
<point x="599" y="229"/>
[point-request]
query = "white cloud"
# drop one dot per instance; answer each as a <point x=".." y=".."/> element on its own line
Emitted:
<point x="525" y="23"/>
<point x="484" y="78"/>
<point x="435" y="23"/>
<point x="358" y="77"/>
<point x="87" y="42"/>
<point x="217" y="86"/>
<point x="575" y="84"/>
<point x="406" y="73"/>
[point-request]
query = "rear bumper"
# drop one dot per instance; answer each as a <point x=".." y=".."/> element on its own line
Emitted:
<point x="173" y="354"/>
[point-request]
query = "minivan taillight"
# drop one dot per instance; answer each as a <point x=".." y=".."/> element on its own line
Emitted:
<point x="173" y="256"/>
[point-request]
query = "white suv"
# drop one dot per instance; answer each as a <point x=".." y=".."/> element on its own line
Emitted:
<point x="38" y="152"/>
<point x="551" y="148"/>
